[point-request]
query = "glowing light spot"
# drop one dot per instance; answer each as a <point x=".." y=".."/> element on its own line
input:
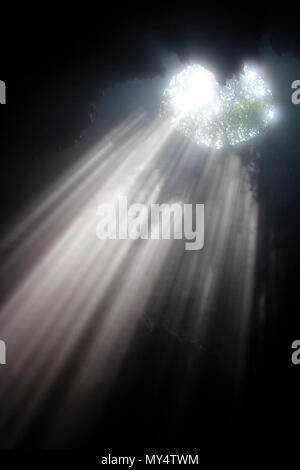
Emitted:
<point x="215" y="115"/>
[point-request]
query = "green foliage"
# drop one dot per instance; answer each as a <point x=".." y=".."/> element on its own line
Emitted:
<point x="238" y="111"/>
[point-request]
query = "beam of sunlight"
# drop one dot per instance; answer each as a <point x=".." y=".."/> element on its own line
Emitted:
<point x="73" y="302"/>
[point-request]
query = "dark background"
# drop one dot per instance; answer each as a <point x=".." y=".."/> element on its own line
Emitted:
<point x="56" y="61"/>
